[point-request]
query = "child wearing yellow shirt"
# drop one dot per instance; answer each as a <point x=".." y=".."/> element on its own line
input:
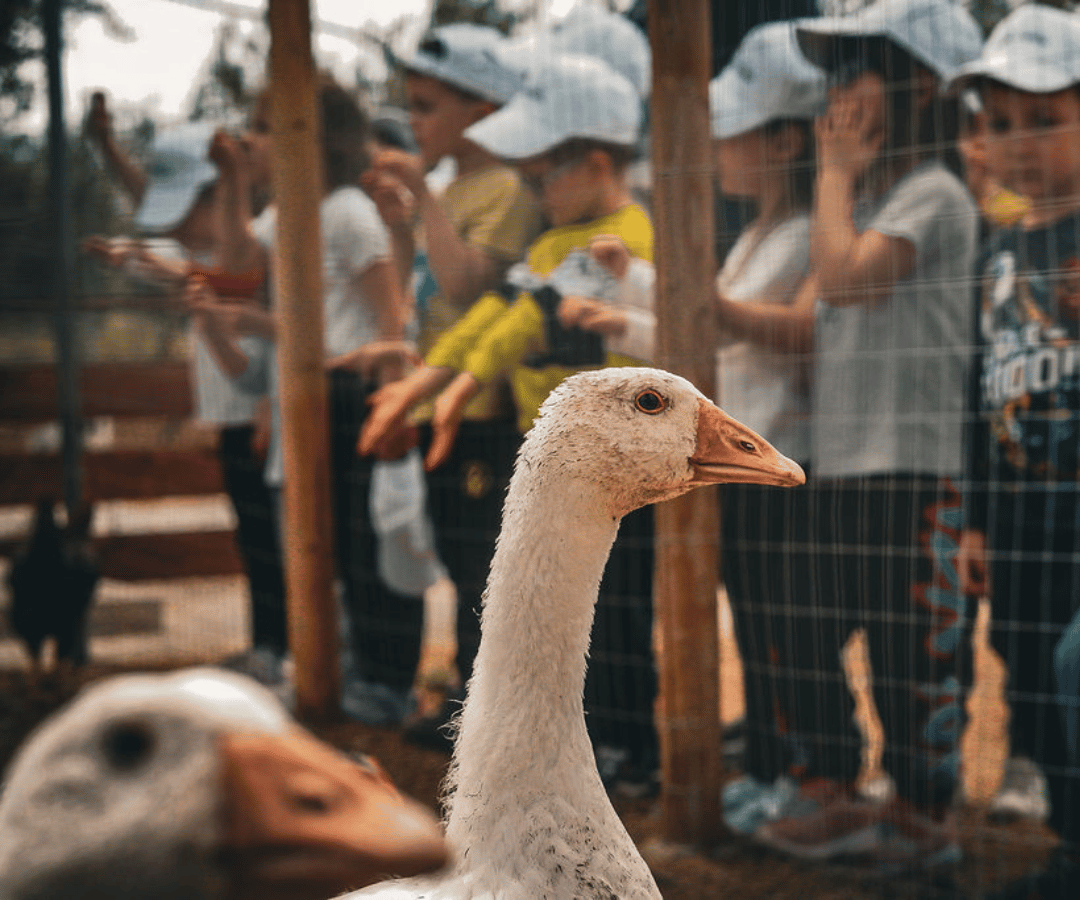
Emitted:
<point x="571" y="134"/>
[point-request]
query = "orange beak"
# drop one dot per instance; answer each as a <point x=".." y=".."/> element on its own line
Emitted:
<point x="729" y="452"/>
<point x="302" y="820"/>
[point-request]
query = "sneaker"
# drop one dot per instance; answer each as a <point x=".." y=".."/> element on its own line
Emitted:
<point x="376" y="704"/>
<point x="1023" y="793"/>
<point x="910" y="841"/>
<point x="843" y="827"/>
<point x="749" y="803"/>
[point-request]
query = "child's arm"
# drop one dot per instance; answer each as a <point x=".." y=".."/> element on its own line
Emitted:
<point x="392" y="402"/>
<point x="852" y="268"/>
<point x="786" y="327"/>
<point x="449" y="410"/>
<point x="99" y="129"/>
<point x="462" y="270"/>
<point x="239" y="250"/>
<point x="217" y="327"/>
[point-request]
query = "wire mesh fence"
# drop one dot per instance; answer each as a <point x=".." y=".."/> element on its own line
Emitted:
<point x="895" y="236"/>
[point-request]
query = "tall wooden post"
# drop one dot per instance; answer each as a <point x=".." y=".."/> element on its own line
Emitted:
<point x="63" y="250"/>
<point x="298" y="190"/>
<point x="687" y="528"/>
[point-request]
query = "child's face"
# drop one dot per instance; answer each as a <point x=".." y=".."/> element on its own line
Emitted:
<point x="740" y="161"/>
<point x="566" y="189"/>
<point x="200" y="229"/>
<point x="439" y="116"/>
<point x="1033" y="141"/>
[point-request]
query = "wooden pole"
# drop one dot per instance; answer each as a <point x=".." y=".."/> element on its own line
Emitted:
<point x="63" y="250"/>
<point x="687" y="529"/>
<point x="298" y="190"/>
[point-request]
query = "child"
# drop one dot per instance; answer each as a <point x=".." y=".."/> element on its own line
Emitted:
<point x="465" y="238"/>
<point x="762" y="108"/>
<point x="571" y="134"/>
<point x="362" y="304"/>
<point x="1022" y="515"/>
<point x="892" y="242"/>
<point x="179" y="198"/>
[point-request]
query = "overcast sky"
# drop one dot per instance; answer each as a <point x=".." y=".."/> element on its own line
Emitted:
<point x="159" y="68"/>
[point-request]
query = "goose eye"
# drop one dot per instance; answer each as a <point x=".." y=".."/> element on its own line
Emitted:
<point x="128" y="744"/>
<point x="748" y="447"/>
<point x="650" y="401"/>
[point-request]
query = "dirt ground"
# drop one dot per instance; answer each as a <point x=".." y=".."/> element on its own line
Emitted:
<point x="994" y="854"/>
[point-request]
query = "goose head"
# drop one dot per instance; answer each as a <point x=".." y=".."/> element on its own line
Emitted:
<point x="198" y="784"/>
<point x="642" y="435"/>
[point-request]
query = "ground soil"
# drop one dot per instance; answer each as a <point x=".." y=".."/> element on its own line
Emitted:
<point x="994" y="853"/>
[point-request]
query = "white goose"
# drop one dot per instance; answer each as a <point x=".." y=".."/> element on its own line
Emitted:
<point x="528" y="816"/>
<point x="197" y="785"/>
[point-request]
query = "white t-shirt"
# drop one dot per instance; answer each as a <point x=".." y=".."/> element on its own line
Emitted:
<point x="890" y="377"/>
<point x="765" y="389"/>
<point x="353" y="238"/>
<point x="216" y="398"/>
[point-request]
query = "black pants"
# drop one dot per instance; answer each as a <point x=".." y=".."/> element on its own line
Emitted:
<point x="621" y="683"/>
<point x="1035" y="595"/>
<point x="765" y="566"/>
<point x="386" y="627"/>
<point x="884" y="560"/>
<point x="256" y="535"/>
<point x="465" y="497"/>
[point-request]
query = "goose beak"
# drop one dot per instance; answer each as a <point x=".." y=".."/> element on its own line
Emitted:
<point x="302" y="820"/>
<point x="729" y="452"/>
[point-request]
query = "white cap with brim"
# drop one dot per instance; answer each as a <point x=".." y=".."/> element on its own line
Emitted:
<point x="563" y="98"/>
<point x="940" y="34"/>
<point x="1036" y="48"/>
<point x="466" y="56"/>
<point x="177" y="173"/>
<point x="767" y="79"/>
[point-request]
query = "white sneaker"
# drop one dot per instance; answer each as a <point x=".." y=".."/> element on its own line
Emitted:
<point x="1023" y="793"/>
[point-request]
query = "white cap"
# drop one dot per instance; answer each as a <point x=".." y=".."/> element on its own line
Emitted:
<point x="767" y="78"/>
<point x="466" y="56"/>
<point x="940" y="34"/>
<point x="563" y="98"/>
<point x="590" y="31"/>
<point x="178" y="171"/>
<point x="1036" y="48"/>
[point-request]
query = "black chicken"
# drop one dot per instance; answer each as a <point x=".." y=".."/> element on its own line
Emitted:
<point x="52" y="582"/>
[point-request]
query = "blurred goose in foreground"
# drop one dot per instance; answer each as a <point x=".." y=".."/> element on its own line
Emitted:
<point x="528" y="815"/>
<point x="197" y="785"/>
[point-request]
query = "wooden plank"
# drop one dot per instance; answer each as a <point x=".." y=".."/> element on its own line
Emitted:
<point x="130" y="617"/>
<point x="113" y="475"/>
<point x="144" y="557"/>
<point x="686" y="571"/>
<point x="126" y="390"/>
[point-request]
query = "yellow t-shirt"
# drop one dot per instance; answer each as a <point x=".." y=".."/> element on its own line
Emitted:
<point x="496" y="336"/>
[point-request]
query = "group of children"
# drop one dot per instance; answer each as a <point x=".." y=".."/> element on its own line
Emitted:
<point x="939" y="429"/>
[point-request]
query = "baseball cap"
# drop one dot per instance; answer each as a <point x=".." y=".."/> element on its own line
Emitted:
<point x="587" y="31"/>
<point x="176" y="174"/>
<point x="1035" y="48"/>
<point x="465" y="56"/>
<point x="767" y="78"/>
<point x="940" y="34"/>
<point x="562" y="98"/>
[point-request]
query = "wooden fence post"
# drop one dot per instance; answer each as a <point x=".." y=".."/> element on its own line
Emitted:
<point x="298" y="191"/>
<point x="687" y="529"/>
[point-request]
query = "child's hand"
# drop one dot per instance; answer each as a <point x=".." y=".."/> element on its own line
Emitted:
<point x="407" y="168"/>
<point x="369" y="360"/>
<point x="612" y="253"/>
<point x="851" y="134"/>
<point x="396" y="206"/>
<point x="591" y="315"/>
<point x="98" y="126"/>
<point x="388" y="407"/>
<point x="111" y="251"/>
<point x="227" y="153"/>
<point x="449" y="410"/>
